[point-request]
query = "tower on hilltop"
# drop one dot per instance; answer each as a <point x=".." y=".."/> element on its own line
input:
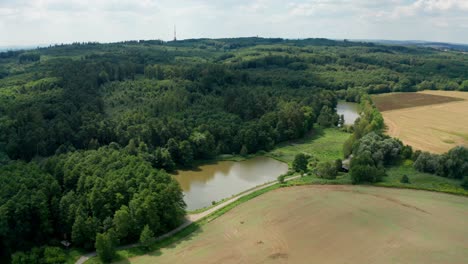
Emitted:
<point x="175" y="33"/>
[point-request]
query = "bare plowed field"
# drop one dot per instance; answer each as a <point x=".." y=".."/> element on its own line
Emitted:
<point x="330" y="224"/>
<point x="435" y="127"/>
<point x="389" y="102"/>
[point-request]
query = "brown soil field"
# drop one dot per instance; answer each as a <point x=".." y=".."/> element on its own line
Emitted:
<point x="330" y="224"/>
<point x="435" y="128"/>
<point x="387" y="102"/>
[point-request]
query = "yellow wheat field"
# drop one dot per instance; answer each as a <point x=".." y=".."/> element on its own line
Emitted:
<point x="434" y="128"/>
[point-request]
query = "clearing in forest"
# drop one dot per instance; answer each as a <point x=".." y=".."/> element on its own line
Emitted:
<point x="436" y="122"/>
<point x="330" y="224"/>
<point x="323" y="144"/>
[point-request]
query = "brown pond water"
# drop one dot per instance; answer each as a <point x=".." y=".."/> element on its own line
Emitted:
<point x="349" y="110"/>
<point x="213" y="182"/>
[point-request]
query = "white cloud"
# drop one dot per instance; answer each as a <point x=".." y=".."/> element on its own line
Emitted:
<point x="52" y="21"/>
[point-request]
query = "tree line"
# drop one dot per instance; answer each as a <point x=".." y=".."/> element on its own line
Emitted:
<point x="81" y="197"/>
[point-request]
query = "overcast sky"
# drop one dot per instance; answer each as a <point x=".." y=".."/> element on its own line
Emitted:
<point x="32" y="22"/>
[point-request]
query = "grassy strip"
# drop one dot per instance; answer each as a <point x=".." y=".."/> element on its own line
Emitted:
<point x="418" y="181"/>
<point x="421" y="181"/>
<point x="343" y="178"/>
<point x="448" y="190"/>
<point x="124" y="254"/>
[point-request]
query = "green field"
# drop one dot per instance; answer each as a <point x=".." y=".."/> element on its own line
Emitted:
<point x="420" y="180"/>
<point x="323" y="144"/>
<point x="342" y="178"/>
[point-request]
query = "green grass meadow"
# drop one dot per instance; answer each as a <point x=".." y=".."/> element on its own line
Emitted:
<point x="323" y="144"/>
<point x="420" y="180"/>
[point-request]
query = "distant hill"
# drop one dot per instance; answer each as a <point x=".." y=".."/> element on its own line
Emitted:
<point x="421" y="43"/>
<point x="18" y="47"/>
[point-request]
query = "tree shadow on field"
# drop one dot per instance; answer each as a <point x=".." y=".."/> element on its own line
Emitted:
<point x="313" y="134"/>
<point x="189" y="237"/>
<point x="184" y="235"/>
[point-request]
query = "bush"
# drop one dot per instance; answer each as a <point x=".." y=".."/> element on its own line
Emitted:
<point x="54" y="255"/>
<point x="327" y="170"/>
<point x="32" y="257"/>
<point x="366" y="173"/>
<point x="464" y="183"/>
<point x="300" y="162"/>
<point x="427" y="162"/>
<point x="244" y="151"/>
<point x="383" y="150"/>
<point x="415" y="155"/>
<point x="281" y="178"/>
<point x="454" y="164"/>
<point x="404" y="179"/>
<point x="407" y="152"/>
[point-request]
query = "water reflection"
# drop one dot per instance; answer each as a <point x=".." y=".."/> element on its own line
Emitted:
<point x="213" y="182"/>
<point x="349" y="110"/>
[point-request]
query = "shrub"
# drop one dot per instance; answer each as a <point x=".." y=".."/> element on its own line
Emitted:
<point x="366" y="173"/>
<point x="327" y="170"/>
<point x="244" y="151"/>
<point x="281" y="178"/>
<point x="427" y="162"/>
<point x="54" y="255"/>
<point x="404" y="179"/>
<point x="32" y="257"/>
<point x="464" y="183"/>
<point x="338" y="164"/>
<point x="454" y="164"/>
<point x="300" y="162"/>
<point x="415" y="155"/>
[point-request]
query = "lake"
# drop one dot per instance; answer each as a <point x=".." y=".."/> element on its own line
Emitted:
<point x="349" y="110"/>
<point x="214" y="182"/>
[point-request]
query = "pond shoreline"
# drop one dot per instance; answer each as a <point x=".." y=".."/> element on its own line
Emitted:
<point x="218" y="180"/>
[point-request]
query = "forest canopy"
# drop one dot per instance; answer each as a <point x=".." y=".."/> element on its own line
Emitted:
<point x="88" y="130"/>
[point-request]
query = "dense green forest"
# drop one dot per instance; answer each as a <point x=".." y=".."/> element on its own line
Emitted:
<point x="88" y="130"/>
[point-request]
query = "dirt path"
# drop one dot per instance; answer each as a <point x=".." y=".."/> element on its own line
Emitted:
<point x="190" y="218"/>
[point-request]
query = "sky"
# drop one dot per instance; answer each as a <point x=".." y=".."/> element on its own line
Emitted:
<point x="34" y="22"/>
